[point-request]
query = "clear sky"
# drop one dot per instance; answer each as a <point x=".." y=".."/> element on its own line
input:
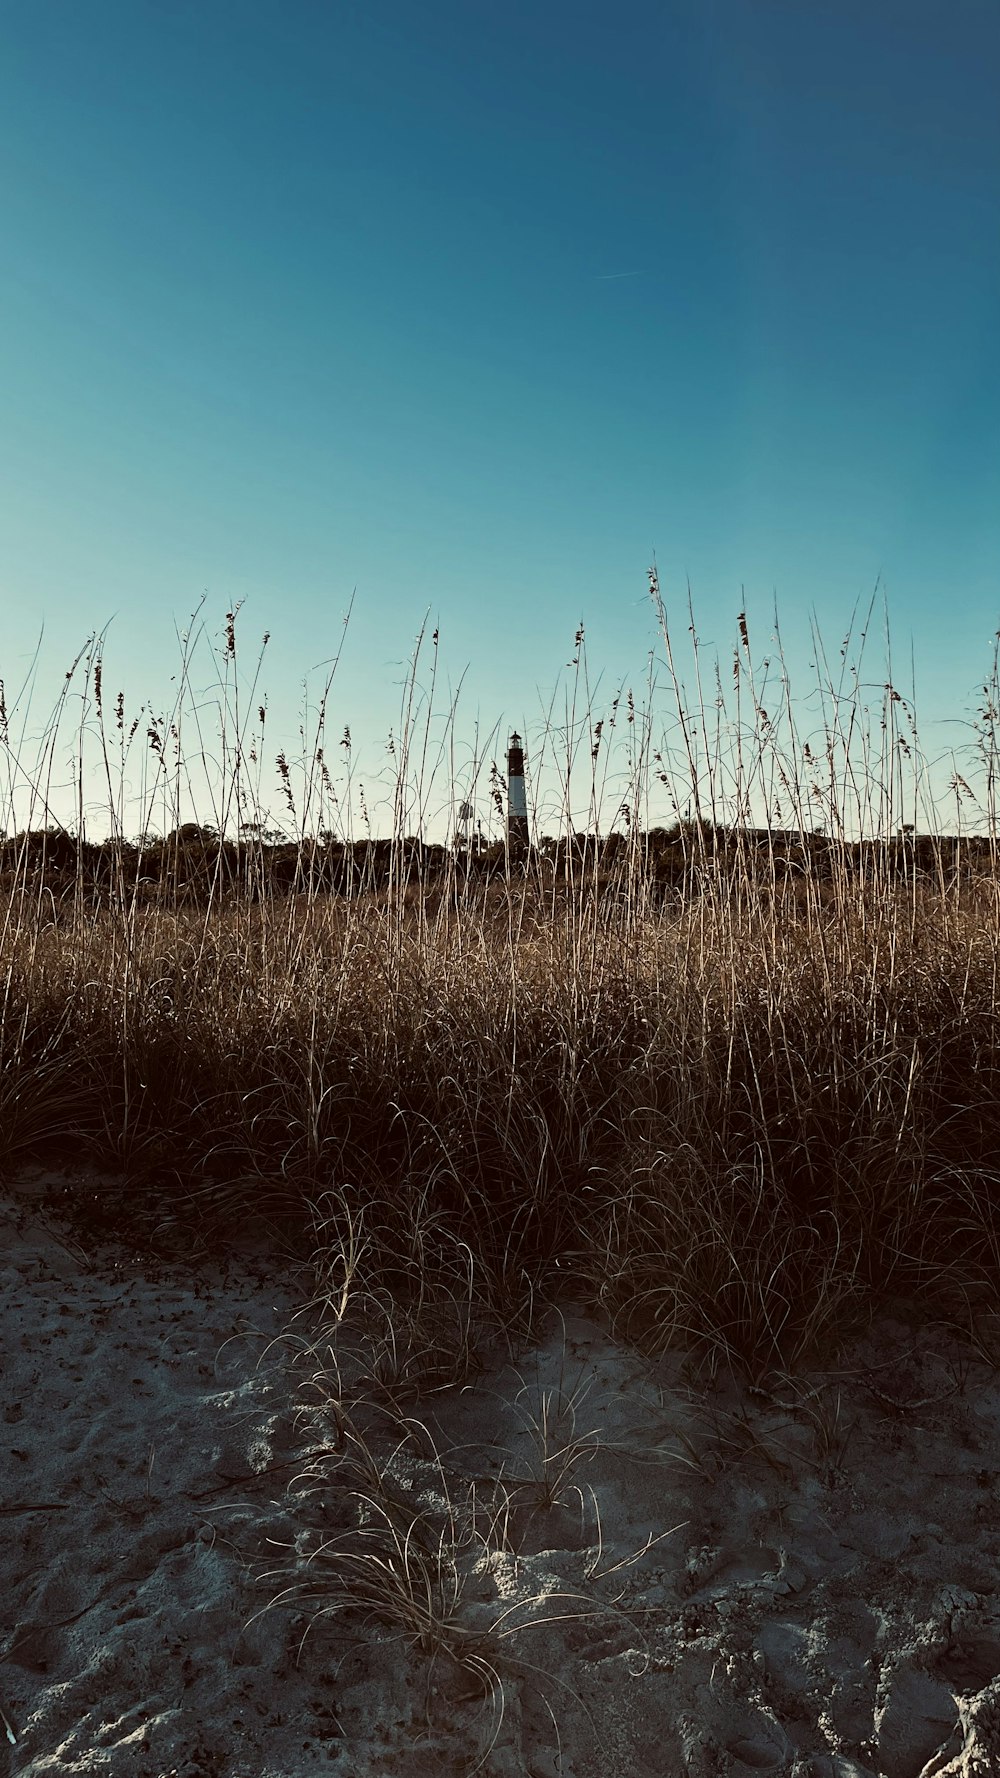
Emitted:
<point x="472" y="308"/>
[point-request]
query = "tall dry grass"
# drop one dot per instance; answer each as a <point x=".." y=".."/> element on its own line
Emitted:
<point x="740" y="1110"/>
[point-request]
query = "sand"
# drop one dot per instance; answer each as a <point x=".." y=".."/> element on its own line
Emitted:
<point x="615" y="1566"/>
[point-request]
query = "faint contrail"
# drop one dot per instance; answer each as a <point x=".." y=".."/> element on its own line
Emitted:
<point x="612" y="277"/>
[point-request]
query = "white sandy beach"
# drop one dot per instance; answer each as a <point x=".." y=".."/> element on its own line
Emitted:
<point x="648" y="1575"/>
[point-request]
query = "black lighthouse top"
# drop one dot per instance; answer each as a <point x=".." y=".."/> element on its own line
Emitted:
<point x="515" y="757"/>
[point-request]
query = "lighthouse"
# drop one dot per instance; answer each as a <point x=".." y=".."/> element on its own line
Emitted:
<point x="517" y="802"/>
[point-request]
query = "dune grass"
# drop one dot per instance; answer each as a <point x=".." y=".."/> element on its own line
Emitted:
<point x="738" y="1110"/>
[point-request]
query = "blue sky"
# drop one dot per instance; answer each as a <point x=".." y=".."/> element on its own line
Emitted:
<point x="472" y="309"/>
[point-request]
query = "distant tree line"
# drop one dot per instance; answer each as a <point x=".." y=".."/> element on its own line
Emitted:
<point x="193" y="864"/>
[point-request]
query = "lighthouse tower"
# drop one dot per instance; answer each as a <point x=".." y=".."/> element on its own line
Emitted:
<point x="517" y="802"/>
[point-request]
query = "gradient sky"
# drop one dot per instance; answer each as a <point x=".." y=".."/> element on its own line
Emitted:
<point x="472" y="308"/>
